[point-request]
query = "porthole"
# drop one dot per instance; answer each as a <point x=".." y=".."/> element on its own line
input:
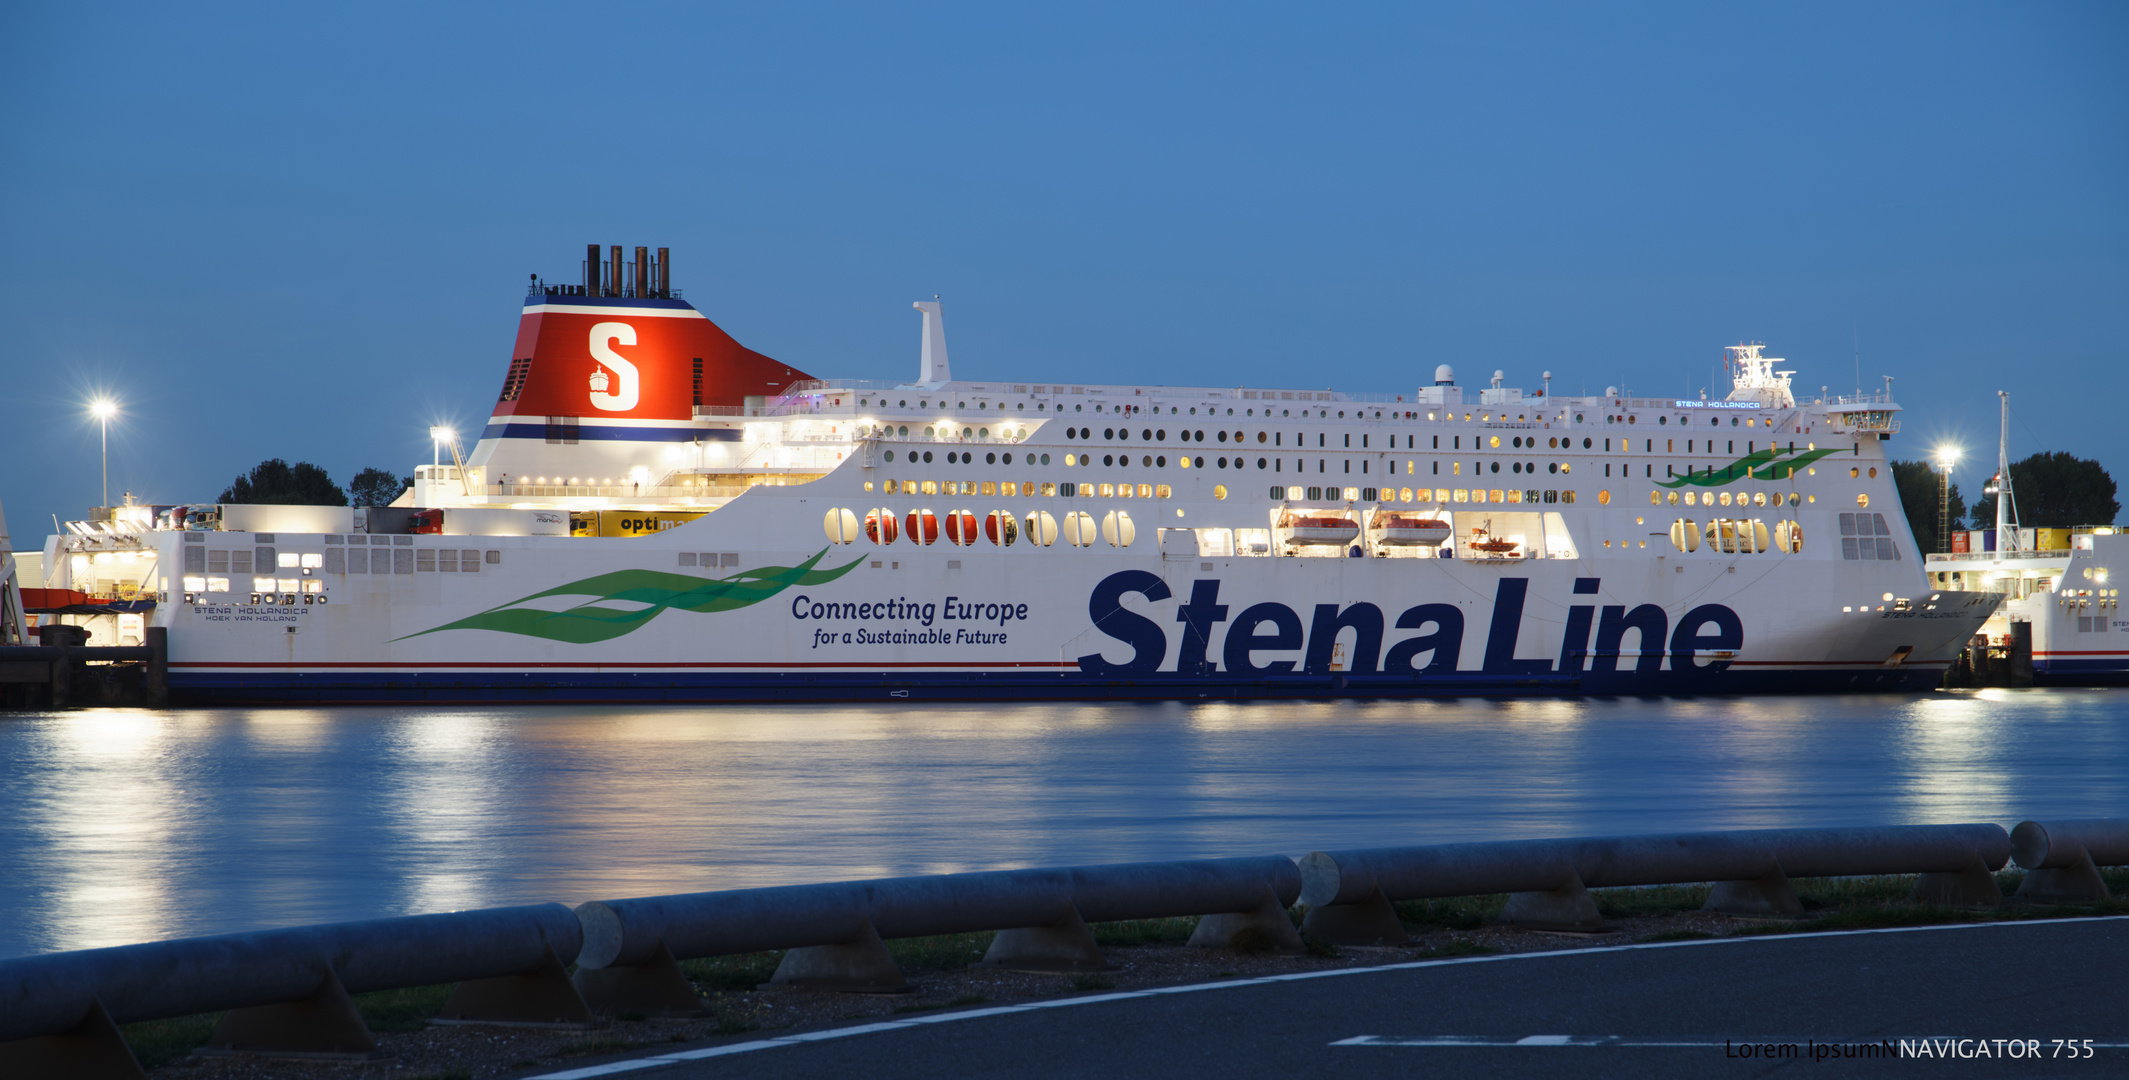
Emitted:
<point x="1108" y="459"/>
<point x="1604" y="498"/>
<point x="1223" y="463"/>
<point x="1222" y="436"/>
<point x="1160" y="462"/>
<point x="1854" y="472"/>
<point x="927" y="457"/>
<point x="1663" y="419"/>
<point x="890" y="455"/>
<point x="1045" y="459"/>
<point x="1862" y="498"/>
<point x="1219" y="491"/>
<point x="903" y="430"/>
<point x="1655" y="498"/>
<point x="1496" y="465"/>
<point x="1495" y="442"/>
<point x="1586" y="444"/>
<point x="1671" y="498"/>
<point x="1260" y="463"/>
<point x="991" y="459"/>
<point x="1873" y="472"/>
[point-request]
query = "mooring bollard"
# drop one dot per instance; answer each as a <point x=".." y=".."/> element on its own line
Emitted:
<point x="2062" y="858"/>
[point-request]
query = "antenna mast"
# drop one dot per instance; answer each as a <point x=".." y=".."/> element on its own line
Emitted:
<point x="2006" y="510"/>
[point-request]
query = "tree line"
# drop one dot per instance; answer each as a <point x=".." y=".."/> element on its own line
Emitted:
<point x="305" y="484"/>
<point x="2051" y="490"/>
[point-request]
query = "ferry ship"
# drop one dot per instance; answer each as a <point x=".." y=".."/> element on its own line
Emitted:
<point x="655" y="512"/>
<point x="2061" y="614"/>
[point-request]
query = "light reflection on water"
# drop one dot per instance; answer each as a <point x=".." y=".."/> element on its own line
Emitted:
<point x="126" y="825"/>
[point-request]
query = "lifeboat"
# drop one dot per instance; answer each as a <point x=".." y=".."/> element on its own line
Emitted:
<point x="1322" y="529"/>
<point x="1406" y="529"/>
<point x="880" y="527"/>
<point x="1481" y="540"/>
<point x="1000" y="528"/>
<point x="923" y="528"/>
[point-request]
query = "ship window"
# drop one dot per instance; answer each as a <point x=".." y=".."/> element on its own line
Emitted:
<point x="1862" y="499"/>
<point x="494" y="558"/>
<point x="1604" y="498"/>
<point x="1219" y="491"/>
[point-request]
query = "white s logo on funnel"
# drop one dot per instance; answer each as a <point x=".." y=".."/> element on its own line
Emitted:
<point x="625" y="396"/>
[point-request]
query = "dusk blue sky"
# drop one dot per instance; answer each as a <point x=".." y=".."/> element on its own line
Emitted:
<point x="303" y="230"/>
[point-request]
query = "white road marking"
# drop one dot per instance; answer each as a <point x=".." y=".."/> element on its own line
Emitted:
<point x="657" y="1061"/>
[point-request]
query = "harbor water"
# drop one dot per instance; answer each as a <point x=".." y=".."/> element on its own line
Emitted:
<point x="133" y="825"/>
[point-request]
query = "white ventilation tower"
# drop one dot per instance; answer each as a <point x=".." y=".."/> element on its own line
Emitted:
<point x="933" y="362"/>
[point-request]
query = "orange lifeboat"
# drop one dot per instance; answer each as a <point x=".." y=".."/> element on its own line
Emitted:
<point x="880" y="527"/>
<point x="961" y="527"/>
<point x="1405" y="530"/>
<point x="996" y="520"/>
<point x="923" y="527"/>
<point x="1481" y="540"/>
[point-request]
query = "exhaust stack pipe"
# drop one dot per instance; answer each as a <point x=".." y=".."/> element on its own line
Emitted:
<point x="643" y="273"/>
<point x="614" y="272"/>
<point x="591" y="270"/>
<point x="665" y="273"/>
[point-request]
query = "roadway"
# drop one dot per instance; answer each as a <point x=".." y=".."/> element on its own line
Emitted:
<point x="1677" y="1009"/>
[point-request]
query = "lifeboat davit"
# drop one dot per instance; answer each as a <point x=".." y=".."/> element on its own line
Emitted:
<point x="1406" y="530"/>
<point x="1325" y="529"/>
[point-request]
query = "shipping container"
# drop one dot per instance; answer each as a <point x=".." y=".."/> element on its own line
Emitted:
<point x="2052" y="539"/>
<point x="1959" y="542"/>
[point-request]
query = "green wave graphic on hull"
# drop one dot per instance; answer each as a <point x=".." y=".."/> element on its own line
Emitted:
<point x="597" y="620"/>
<point x="1764" y="465"/>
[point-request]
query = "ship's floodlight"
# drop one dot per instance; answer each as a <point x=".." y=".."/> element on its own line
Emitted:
<point x="442" y="434"/>
<point x="1947" y="456"/>
<point x="103" y="408"/>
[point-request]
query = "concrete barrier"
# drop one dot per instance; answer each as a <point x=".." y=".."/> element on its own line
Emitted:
<point x="2062" y="858"/>
<point x="286" y="990"/>
<point x="1349" y="892"/>
<point x="848" y="920"/>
